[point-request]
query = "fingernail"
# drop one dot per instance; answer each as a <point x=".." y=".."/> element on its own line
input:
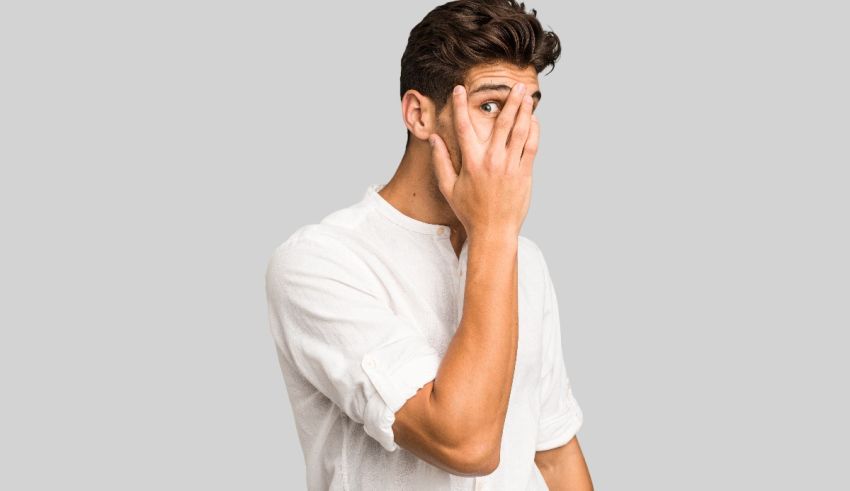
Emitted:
<point x="458" y="88"/>
<point x="431" y="140"/>
<point x="521" y="88"/>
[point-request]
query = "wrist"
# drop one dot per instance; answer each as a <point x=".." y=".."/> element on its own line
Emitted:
<point x="494" y="236"/>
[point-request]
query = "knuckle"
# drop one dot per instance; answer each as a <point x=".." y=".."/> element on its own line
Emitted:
<point x="522" y="132"/>
<point x="494" y="158"/>
<point x="503" y="124"/>
<point x="531" y="145"/>
<point x="488" y="156"/>
<point x="461" y="127"/>
<point x="500" y="157"/>
<point x="519" y="138"/>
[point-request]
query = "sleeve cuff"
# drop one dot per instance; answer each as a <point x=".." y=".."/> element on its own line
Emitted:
<point x="560" y="430"/>
<point x="397" y="370"/>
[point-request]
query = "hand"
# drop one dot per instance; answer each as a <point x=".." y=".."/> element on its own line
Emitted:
<point x="493" y="190"/>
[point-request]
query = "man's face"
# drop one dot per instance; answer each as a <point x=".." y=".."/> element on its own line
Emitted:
<point x="487" y="88"/>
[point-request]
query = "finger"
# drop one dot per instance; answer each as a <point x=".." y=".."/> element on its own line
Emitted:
<point x="463" y="126"/>
<point x="519" y="134"/>
<point x="443" y="168"/>
<point x="531" y="145"/>
<point x="506" y="118"/>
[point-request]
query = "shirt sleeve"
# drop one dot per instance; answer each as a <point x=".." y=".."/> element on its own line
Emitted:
<point x="342" y="337"/>
<point x="560" y="414"/>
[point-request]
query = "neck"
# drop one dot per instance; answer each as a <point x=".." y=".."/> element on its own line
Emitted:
<point x="413" y="191"/>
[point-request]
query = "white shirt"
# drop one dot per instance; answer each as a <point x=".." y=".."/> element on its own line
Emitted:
<point x="362" y="307"/>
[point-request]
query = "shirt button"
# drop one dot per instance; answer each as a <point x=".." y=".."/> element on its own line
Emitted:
<point x="440" y="230"/>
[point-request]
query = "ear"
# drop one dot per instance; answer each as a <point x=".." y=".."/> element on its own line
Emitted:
<point x="418" y="114"/>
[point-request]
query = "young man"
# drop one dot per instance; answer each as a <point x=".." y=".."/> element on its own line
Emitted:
<point x="417" y="330"/>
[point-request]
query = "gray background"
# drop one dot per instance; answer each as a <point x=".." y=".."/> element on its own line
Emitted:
<point x="690" y="196"/>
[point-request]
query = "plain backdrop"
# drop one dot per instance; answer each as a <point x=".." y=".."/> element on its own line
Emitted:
<point x="690" y="195"/>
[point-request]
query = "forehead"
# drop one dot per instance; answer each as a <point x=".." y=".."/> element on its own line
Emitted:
<point x="504" y="73"/>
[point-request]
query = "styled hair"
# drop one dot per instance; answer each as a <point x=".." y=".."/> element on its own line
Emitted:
<point x="456" y="36"/>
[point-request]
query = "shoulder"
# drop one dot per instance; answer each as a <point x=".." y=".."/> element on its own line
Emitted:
<point x="534" y="273"/>
<point x="335" y="232"/>
<point x="533" y="255"/>
<point x="315" y="250"/>
<point x="529" y="245"/>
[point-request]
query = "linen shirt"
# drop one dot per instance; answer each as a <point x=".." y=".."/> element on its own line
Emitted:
<point x="362" y="307"/>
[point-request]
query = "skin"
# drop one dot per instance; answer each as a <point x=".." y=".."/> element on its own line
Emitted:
<point x="476" y="179"/>
<point x="413" y="188"/>
<point x="456" y="421"/>
<point x="564" y="467"/>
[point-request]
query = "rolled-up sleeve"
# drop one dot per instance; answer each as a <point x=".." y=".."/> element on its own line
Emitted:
<point x="560" y="414"/>
<point x="342" y="337"/>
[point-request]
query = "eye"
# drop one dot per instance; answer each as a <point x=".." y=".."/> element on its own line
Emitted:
<point x="489" y="103"/>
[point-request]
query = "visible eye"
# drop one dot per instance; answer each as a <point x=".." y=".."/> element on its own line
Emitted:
<point x="489" y="103"/>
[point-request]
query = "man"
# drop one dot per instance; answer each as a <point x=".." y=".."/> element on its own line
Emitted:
<point x="417" y="330"/>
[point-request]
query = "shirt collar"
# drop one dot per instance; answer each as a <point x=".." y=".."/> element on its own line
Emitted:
<point x="389" y="211"/>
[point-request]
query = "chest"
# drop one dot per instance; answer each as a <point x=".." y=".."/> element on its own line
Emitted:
<point x="428" y="286"/>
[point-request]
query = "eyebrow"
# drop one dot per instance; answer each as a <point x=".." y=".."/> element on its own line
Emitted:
<point x="501" y="88"/>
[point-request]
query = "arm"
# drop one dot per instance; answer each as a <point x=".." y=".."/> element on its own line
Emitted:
<point x="558" y="456"/>
<point x="564" y="468"/>
<point x="456" y="421"/>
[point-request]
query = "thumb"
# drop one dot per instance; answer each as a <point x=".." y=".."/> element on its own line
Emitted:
<point x="443" y="168"/>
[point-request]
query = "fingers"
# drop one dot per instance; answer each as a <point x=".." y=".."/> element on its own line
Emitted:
<point x="443" y="168"/>
<point x="507" y="116"/>
<point x="519" y="134"/>
<point x="463" y="126"/>
<point x="530" y="148"/>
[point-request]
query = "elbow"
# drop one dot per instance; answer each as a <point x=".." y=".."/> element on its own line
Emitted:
<point x="484" y="465"/>
<point x="474" y="459"/>
<point x="464" y="446"/>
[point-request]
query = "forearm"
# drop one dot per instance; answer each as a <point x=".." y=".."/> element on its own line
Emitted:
<point x="564" y="468"/>
<point x="473" y="384"/>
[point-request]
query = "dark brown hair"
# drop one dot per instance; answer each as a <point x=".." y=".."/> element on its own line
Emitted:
<point x="458" y="35"/>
